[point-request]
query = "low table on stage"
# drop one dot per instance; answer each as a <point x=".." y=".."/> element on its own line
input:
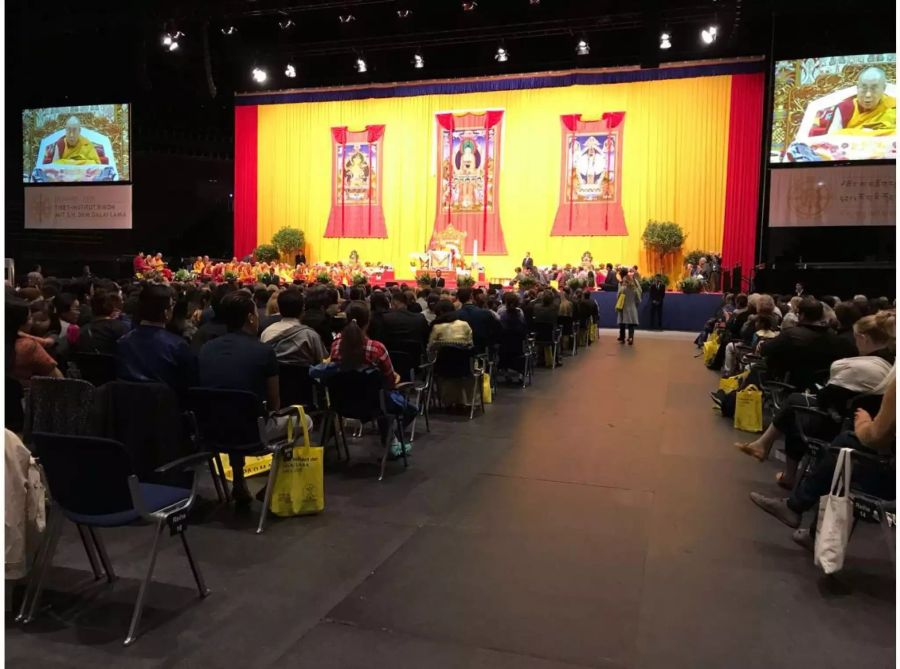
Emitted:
<point x="687" y="312"/>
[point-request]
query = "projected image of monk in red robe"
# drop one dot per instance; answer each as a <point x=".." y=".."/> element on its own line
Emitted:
<point x="590" y="198"/>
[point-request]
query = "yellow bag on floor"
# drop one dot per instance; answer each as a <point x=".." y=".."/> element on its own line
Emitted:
<point x="299" y="487"/>
<point x="731" y="383"/>
<point x="486" y="393"/>
<point x="748" y="409"/>
<point x="548" y="356"/>
<point x="594" y="332"/>
<point x="710" y="348"/>
<point x="253" y="465"/>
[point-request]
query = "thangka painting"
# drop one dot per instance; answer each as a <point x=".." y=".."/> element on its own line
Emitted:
<point x="357" y="162"/>
<point x="590" y="197"/>
<point x="468" y="176"/>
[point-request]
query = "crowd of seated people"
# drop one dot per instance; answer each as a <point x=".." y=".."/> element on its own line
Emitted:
<point x="831" y="367"/>
<point x="185" y="335"/>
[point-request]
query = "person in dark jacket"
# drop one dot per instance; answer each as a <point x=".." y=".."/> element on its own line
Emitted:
<point x="657" y="297"/>
<point x="485" y="326"/>
<point x="804" y="351"/>
<point x="402" y="325"/>
<point x="611" y="283"/>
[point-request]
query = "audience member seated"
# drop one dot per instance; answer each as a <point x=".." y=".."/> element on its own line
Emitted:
<point x="294" y="343"/>
<point x="847" y="314"/>
<point x="547" y="310"/>
<point x="401" y="325"/>
<point x="380" y="304"/>
<point x="315" y="316"/>
<point x="150" y="352"/>
<point x="513" y="334"/>
<point x="792" y="317"/>
<point x="878" y="434"/>
<point x="25" y="355"/>
<point x="213" y="326"/>
<point x="431" y="303"/>
<point x="848" y="378"/>
<point x="485" y="327"/>
<point x="104" y="330"/>
<point x="449" y="329"/>
<point x="800" y="353"/>
<point x="239" y="361"/>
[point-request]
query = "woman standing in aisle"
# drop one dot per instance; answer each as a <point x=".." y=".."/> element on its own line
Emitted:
<point x="627" y="302"/>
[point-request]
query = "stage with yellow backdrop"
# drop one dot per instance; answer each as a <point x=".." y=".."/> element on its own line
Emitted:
<point x="674" y="167"/>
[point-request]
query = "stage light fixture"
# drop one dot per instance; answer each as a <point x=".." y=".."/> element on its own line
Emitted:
<point x="173" y="45"/>
<point x="534" y="3"/>
<point x="418" y="61"/>
<point x="502" y="55"/>
<point x="259" y="75"/>
<point x="403" y="13"/>
<point x="665" y="41"/>
<point x="582" y="48"/>
<point x="167" y="39"/>
<point x="290" y="71"/>
<point x="469" y="5"/>
<point x="361" y="65"/>
<point x="709" y="34"/>
<point x="228" y="30"/>
<point x="344" y="19"/>
<point x="286" y="23"/>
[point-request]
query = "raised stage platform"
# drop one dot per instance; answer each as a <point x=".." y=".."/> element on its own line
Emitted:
<point x="686" y="312"/>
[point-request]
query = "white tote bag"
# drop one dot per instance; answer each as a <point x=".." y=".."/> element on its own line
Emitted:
<point x="835" y="517"/>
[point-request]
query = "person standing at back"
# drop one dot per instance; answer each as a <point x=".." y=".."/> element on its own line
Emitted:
<point x="627" y="302"/>
<point x="657" y="297"/>
<point x="527" y="261"/>
<point x="612" y="280"/>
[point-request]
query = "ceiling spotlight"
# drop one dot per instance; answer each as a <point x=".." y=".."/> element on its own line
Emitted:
<point x="290" y="71"/>
<point x="346" y="18"/>
<point x="167" y="39"/>
<point x="582" y="48"/>
<point x="286" y="23"/>
<point x="502" y="55"/>
<point x="259" y="76"/>
<point x="403" y="13"/>
<point x="361" y="65"/>
<point x="418" y="61"/>
<point x="173" y="45"/>
<point x="709" y="34"/>
<point x="469" y="5"/>
<point x="534" y="3"/>
<point x="228" y="30"/>
<point x="665" y="41"/>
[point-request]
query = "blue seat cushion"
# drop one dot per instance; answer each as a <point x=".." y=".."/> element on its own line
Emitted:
<point x="155" y="496"/>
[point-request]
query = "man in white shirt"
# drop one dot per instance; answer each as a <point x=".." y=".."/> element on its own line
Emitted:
<point x="294" y="343"/>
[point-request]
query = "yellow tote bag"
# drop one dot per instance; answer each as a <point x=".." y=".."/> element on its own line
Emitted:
<point x="731" y="383"/>
<point x="594" y="332"/>
<point x="710" y="348"/>
<point x="748" y="409"/>
<point x="620" y="302"/>
<point x="299" y="487"/>
<point x="253" y="465"/>
<point x="486" y="389"/>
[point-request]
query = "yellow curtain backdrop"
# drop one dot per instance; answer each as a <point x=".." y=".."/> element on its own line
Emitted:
<point x="673" y="168"/>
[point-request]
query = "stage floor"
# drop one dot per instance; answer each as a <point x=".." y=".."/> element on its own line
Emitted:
<point x="681" y="311"/>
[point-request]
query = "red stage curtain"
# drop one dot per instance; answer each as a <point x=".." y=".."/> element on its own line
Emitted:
<point x="245" y="171"/>
<point x="745" y="129"/>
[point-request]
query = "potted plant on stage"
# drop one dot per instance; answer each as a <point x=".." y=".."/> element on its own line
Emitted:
<point x="289" y="242"/>
<point x="662" y="239"/>
<point x="230" y="276"/>
<point x="646" y="281"/>
<point x="360" y="279"/>
<point x="690" y="284"/>
<point x="323" y="278"/>
<point x="183" y="275"/>
<point x="266" y="253"/>
<point x="465" y="281"/>
<point x="423" y="280"/>
<point x="575" y="284"/>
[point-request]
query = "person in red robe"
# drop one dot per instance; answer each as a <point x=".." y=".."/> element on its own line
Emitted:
<point x="140" y="263"/>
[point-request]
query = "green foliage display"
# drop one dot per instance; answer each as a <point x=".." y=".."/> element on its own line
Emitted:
<point x="694" y="256"/>
<point x="323" y="277"/>
<point x="646" y="281"/>
<point x="230" y="276"/>
<point x="690" y="285"/>
<point x="663" y="237"/>
<point x="465" y="282"/>
<point x="267" y="278"/>
<point x="183" y="275"/>
<point x="575" y="284"/>
<point x="423" y="281"/>
<point x="360" y="279"/>
<point x="288" y="241"/>
<point x="266" y="253"/>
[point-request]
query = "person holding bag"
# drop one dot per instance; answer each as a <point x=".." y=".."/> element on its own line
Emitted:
<point x="627" y="305"/>
<point x="878" y="434"/>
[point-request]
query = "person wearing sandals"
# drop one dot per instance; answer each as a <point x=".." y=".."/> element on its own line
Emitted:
<point x="629" y="297"/>
<point x="848" y="378"/>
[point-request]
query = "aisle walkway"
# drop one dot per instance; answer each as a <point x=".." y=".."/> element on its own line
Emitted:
<point x="598" y="519"/>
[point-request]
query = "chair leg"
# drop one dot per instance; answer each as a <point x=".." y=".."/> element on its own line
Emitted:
<point x="104" y="556"/>
<point x="402" y="441"/>
<point x="270" y="484"/>
<point x="90" y="550"/>
<point x="195" y="568"/>
<point x="222" y="480"/>
<point x="426" y="409"/>
<point x="220" y="495"/>
<point x="39" y="569"/>
<point x="387" y="449"/>
<point x="142" y="592"/>
<point x="474" y="391"/>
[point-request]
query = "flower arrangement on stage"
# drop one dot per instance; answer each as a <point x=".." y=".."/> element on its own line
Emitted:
<point x="690" y="284"/>
<point x="184" y="275"/>
<point x="323" y="278"/>
<point x="230" y="275"/>
<point x="154" y="275"/>
<point x="360" y="279"/>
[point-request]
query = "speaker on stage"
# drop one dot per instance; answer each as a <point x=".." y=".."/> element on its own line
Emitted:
<point x="726" y="281"/>
<point x="736" y="279"/>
